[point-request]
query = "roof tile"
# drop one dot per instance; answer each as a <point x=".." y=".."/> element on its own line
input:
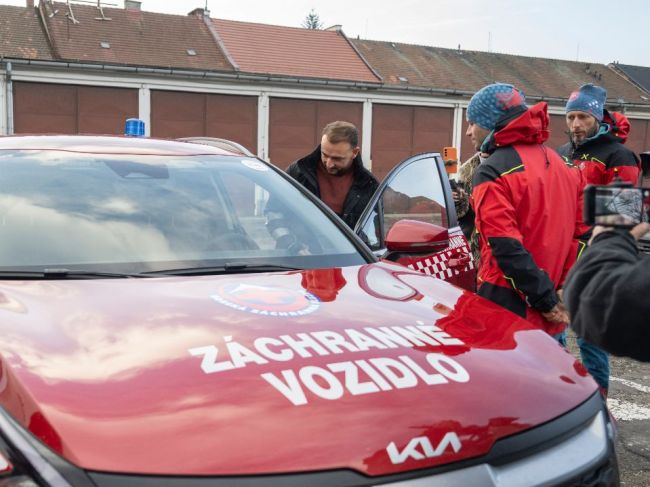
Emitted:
<point x="136" y="37"/>
<point x="21" y="34"/>
<point x="290" y="51"/>
<point x="452" y="69"/>
<point x="637" y="74"/>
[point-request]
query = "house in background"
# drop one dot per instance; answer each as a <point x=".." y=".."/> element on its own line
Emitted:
<point x="77" y="68"/>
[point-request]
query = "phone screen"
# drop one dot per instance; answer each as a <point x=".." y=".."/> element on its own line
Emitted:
<point x="618" y="206"/>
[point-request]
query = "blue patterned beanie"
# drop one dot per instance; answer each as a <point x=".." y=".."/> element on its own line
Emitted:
<point x="491" y="102"/>
<point x="589" y="99"/>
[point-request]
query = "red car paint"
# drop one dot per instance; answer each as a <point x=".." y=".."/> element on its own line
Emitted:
<point x="101" y="372"/>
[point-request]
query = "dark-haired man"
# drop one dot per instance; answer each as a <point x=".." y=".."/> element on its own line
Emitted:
<point x="335" y="173"/>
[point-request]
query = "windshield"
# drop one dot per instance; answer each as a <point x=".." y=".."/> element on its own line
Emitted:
<point x="126" y="213"/>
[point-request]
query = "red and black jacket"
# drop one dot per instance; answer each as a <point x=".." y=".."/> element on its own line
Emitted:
<point x="528" y="206"/>
<point x="604" y="157"/>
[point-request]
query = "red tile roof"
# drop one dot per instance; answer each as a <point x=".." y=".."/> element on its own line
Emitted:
<point x="451" y="69"/>
<point x="135" y="37"/>
<point x="290" y="51"/>
<point x="21" y="34"/>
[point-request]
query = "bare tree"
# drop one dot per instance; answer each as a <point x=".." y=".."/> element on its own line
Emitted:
<point x="312" y="21"/>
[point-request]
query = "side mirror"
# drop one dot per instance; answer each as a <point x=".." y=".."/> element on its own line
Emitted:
<point x="417" y="237"/>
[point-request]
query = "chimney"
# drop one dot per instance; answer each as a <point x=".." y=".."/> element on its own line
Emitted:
<point x="30" y="3"/>
<point x="335" y="28"/>
<point x="200" y="12"/>
<point x="132" y="5"/>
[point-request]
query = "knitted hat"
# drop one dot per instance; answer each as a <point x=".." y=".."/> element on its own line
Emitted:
<point x="491" y="102"/>
<point x="589" y="99"/>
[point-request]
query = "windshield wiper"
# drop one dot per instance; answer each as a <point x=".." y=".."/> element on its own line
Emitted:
<point x="61" y="273"/>
<point x="227" y="268"/>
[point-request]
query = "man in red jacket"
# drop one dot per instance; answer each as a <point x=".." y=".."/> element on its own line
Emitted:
<point x="596" y="146"/>
<point x="528" y="207"/>
<point x="596" y="139"/>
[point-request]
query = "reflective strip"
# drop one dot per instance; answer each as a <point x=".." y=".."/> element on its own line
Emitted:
<point x="593" y="159"/>
<point x="511" y="281"/>
<point x="513" y="169"/>
<point x="581" y="247"/>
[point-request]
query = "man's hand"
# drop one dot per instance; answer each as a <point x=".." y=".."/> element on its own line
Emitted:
<point x="640" y="230"/>
<point x="558" y="314"/>
<point x="457" y="195"/>
<point x="637" y="232"/>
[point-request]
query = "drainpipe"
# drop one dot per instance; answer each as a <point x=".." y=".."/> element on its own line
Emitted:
<point x="10" y="101"/>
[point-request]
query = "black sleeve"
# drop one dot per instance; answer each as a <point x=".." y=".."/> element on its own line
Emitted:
<point x="520" y="269"/>
<point x="608" y="296"/>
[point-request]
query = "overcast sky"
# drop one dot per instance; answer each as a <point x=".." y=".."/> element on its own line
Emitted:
<point x="600" y="31"/>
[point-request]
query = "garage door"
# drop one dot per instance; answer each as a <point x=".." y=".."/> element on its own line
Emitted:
<point x="295" y="126"/>
<point x="639" y="140"/>
<point x="43" y="108"/>
<point x="400" y="131"/>
<point x="559" y="131"/>
<point x="180" y="114"/>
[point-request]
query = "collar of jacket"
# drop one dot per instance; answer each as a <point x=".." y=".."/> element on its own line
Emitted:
<point x="604" y="134"/>
<point x="519" y="125"/>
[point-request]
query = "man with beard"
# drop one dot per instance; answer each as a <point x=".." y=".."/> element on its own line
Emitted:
<point x="528" y="207"/>
<point x="594" y="145"/>
<point x="335" y="174"/>
<point x="597" y="149"/>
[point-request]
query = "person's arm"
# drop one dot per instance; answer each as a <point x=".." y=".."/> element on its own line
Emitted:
<point x="625" y="165"/>
<point x="607" y="293"/>
<point x="461" y="201"/>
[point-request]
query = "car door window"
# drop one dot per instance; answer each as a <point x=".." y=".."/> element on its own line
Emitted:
<point x="414" y="192"/>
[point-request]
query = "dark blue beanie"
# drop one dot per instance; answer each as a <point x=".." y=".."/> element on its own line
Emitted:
<point x="589" y="99"/>
<point x="491" y="102"/>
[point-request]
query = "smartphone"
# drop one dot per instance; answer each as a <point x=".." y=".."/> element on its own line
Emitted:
<point x="449" y="154"/>
<point x="453" y="184"/>
<point x="616" y="206"/>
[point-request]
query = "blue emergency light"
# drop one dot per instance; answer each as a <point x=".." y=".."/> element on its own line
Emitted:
<point x="134" y="127"/>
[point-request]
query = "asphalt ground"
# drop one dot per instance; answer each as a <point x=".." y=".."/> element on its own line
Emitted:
<point x="629" y="403"/>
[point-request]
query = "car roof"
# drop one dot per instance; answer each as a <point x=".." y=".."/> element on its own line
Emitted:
<point x="109" y="145"/>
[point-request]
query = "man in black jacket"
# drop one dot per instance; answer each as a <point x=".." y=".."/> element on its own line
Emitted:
<point x="607" y="293"/>
<point x="335" y="174"/>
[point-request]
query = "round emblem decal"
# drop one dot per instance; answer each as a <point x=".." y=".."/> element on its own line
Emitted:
<point x="266" y="301"/>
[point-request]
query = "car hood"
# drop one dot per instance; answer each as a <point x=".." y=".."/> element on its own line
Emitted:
<point x="373" y="368"/>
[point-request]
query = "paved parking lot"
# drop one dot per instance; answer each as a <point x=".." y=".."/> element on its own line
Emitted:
<point x="629" y="402"/>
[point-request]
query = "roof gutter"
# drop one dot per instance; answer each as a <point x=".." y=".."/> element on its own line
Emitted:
<point x="187" y="73"/>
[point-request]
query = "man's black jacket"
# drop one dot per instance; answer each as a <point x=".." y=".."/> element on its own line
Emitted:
<point x="363" y="187"/>
<point x="608" y="296"/>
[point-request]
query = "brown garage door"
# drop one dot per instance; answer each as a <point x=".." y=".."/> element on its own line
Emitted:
<point x="295" y="125"/>
<point x="400" y="131"/>
<point x="639" y="140"/>
<point x="559" y="131"/>
<point x="179" y="114"/>
<point x="42" y="108"/>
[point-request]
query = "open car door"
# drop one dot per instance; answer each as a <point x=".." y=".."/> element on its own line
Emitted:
<point x="411" y="219"/>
